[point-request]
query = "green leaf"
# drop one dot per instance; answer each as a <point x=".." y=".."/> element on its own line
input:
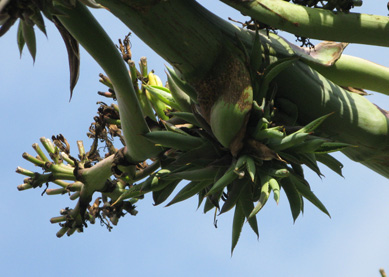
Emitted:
<point x="174" y="140"/>
<point x="215" y="199"/>
<point x="275" y="187"/>
<point x="208" y="205"/>
<point x="206" y="151"/>
<point x="20" y="38"/>
<point x="309" y="128"/>
<point x="264" y="196"/>
<point x="228" y="177"/>
<point x="38" y="20"/>
<point x="294" y="197"/>
<point x="29" y="38"/>
<point x="256" y="55"/>
<point x="163" y="95"/>
<point x="7" y="23"/>
<point x="158" y="105"/>
<point x="330" y="162"/>
<point x="161" y="195"/>
<point x="233" y="195"/>
<point x="298" y="169"/>
<point x="201" y="174"/>
<point x="187" y="116"/>
<point x="251" y="168"/>
<point x="73" y="51"/>
<point x="159" y="183"/>
<point x="179" y="96"/>
<point x="201" y="197"/>
<point x="270" y="73"/>
<point x="290" y="157"/>
<point x="309" y="146"/>
<point x="133" y="192"/>
<point x="237" y="225"/>
<point x="246" y="201"/>
<point x="188" y="191"/>
<point x="329" y="147"/>
<point x="171" y="127"/>
<point x="146" y="184"/>
<point x="309" y="159"/>
<point x="288" y="141"/>
<point x="303" y="188"/>
<point x="183" y="85"/>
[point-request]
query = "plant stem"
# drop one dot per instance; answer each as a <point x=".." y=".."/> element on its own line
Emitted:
<point x="356" y="72"/>
<point x="356" y="120"/>
<point x="317" y="23"/>
<point x="88" y="32"/>
<point x="182" y="32"/>
<point x="95" y="177"/>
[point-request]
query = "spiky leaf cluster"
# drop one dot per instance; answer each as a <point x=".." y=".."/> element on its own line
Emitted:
<point x="194" y="160"/>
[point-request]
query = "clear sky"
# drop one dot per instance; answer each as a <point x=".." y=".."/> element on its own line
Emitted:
<point x="174" y="241"/>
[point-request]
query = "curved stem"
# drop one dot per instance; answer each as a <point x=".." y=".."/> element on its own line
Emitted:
<point x="317" y="23"/>
<point x="88" y="32"/>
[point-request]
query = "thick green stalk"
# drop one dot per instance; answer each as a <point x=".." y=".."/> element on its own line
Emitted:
<point x="355" y="72"/>
<point x="347" y="71"/>
<point x="187" y="35"/>
<point x="355" y="120"/>
<point x="317" y="23"/>
<point x="95" y="177"/>
<point x="185" y="49"/>
<point x="88" y="32"/>
<point x="182" y="32"/>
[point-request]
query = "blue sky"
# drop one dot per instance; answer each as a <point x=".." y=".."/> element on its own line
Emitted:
<point x="174" y="241"/>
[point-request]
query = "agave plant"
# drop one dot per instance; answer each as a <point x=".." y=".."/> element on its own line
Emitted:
<point x="232" y="124"/>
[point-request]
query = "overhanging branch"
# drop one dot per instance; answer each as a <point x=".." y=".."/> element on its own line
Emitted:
<point x="317" y="23"/>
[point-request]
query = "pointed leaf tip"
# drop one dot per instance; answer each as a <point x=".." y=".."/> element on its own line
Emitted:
<point x="73" y="50"/>
<point x="237" y="226"/>
<point x="29" y="38"/>
<point x="20" y="38"/>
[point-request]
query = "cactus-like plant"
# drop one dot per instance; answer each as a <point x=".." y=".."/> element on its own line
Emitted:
<point x="241" y="114"/>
